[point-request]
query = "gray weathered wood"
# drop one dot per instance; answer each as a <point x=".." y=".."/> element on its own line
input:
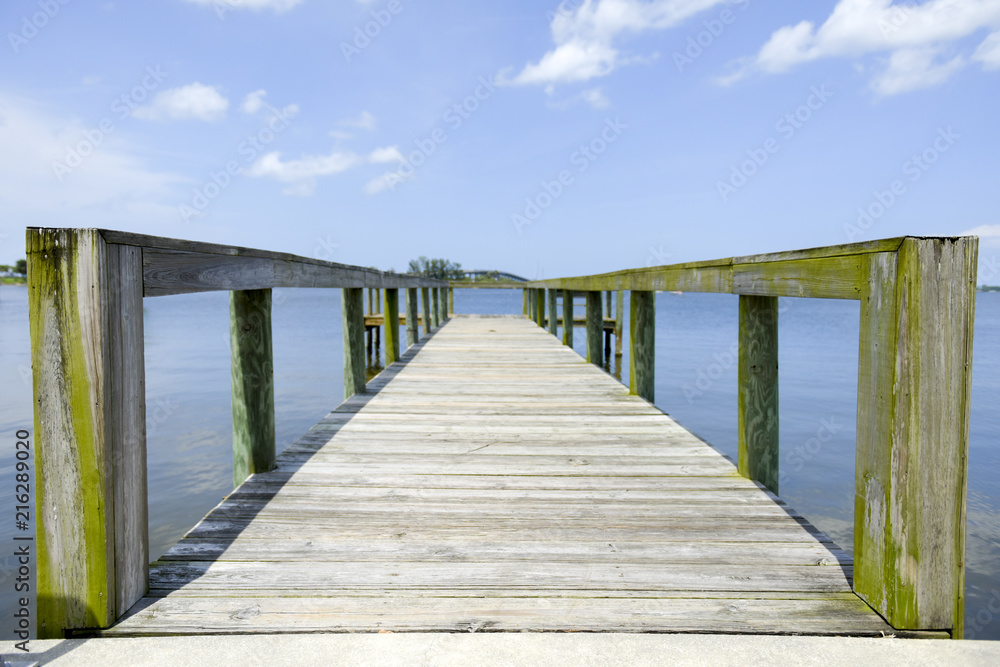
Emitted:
<point x="595" y="327"/>
<point x="412" y="317"/>
<point x="914" y="378"/>
<point x="425" y="298"/>
<point x="85" y="306"/>
<point x="619" y="321"/>
<point x="567" y="321"/>
<point x="252" y="374"/>
<point x="758" y="390"/>
<point x="353" y="316"/>
<point x="642" y="344"/>
<point x="391" y="326"/>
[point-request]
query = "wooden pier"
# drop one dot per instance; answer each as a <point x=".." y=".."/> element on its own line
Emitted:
<point x="490" y="478"/>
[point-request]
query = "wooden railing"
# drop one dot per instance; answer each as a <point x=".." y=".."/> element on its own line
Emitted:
<point x="914" y="375"/>
<point x="86" y="288"/>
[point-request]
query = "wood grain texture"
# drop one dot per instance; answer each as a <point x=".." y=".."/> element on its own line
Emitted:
<point x="425" y="299"/>
<point x="567" y="313"/>
<point x="913" y="417"/>
<point x="352" y="315"/>
<point x="391" y="326"/>
<point x="85" y="313"/>
<point x="553" y="318"/>
<point x="493" y="479"/>
<point x="412" y="317"/>
<point x="595" y="326"/>
<point x="758" y="390"/>
<point x="252" y="374"/>
<point x="619" y="321"/>
<point x="642" y="344"/>
<point x="540" y="307"/>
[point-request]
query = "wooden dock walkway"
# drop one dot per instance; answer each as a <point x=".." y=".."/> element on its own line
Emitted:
<point x="493" y="480"/>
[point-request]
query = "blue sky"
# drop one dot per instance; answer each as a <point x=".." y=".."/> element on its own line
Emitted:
<point x="540" y="138"/>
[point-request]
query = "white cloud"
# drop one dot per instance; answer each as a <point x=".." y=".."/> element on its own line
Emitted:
<point x="984" y="232"/>
<point x="192" y="102"/>
<point x="917" y="38"/>
<point x="254" y="102"/>
<point x="585" y="37"/>
<point x="110" y="186"/>
<point x="386" y="181"/>
<point x="366" y="121"/>
<point x="988" y="52"/>
<point x="301" y="174"/>
<point x="256" y="5"/>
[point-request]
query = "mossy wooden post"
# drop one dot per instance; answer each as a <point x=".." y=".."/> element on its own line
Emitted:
<point x="595" y="327"/>
<point x="412" y="317"/>
<point x="642" y="343"/>
<point x="553" y="313"/>
<point x="353" y="311"/>
<point x="425" y="300"/>
<point x="443" y="300"/>
<point x="619" y="321"/>
<point x="524" y="301"/>
<point x="758" y="390"/>
<point x="435" y="307"/>
<point x="85" y="307"/>
<point x="540" y="307"/>
<point x="914" y="381"/>
<point x="391" y="311"/>
<point x="567" y="313"/>
<point x="451" y="301"/>
<point x="252" y="374"/>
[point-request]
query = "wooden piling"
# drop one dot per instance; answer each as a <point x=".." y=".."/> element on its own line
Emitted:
<point x="619" y="321"/>
<point x="554" y="313"/>
<point x="758" y="390"/>
<point x="412" y="326"/>
<point x="595" y="327"/>
<point x="353" y="315"/>
<point x="642" y="344"/>
<point x="425" y="299"/>
<point x="252" y="374"/>
<point x="567" y="312"/>
<point x="391" y="326"/>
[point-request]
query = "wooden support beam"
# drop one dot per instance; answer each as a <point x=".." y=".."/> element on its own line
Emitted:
<point x="642" y="344"/>
<point x="553" y="312"/>
<point x="567" y="335"/>
<point x="540" y="307"/>
<point x="595" y="326"/>
<point x="524" y="301"/>
<point x="758" y="390"/>
<point x="425" y="299"/>
<point x="619" y="321"/>
<point x="412" y="317"/>
<point x="85" y="309"/>
<point x="451" y="301"/>
<point x="353" y="312"/>
<point x="914" y="380"/>
<point x="252" y="373"/>
<point x="391" y="326"/>
<point x="435" y="307"/>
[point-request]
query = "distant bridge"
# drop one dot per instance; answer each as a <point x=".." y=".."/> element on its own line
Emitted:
<point x="499" y="274"/>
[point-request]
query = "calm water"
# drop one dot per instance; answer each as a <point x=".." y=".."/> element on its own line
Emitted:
<point x="188" y="419"/>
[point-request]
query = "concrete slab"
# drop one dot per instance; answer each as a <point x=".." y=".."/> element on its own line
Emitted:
<point x="486" y="650"/>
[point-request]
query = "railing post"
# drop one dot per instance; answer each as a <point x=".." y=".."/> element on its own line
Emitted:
<point x="443" y="301"/>
<point x="252" y="374"/>
<point x="540" y="307"/>
<point x="914" y="380"/>
<point x="567" y="337"/>
<point x="425" y="299"/>
<point x="619" y="321"/>
<point x="758" y="390"/>
<point x="553" y="312"/>
<point x="85" y="307"/>
<point x="435" y="307"/>
<point x="642" y="344"/>
<point x="595" y="327"/>
<point x="391" y="315"/>
<point x="353" y="310"/>
<point x="524" y="301"/>
<point x="412" y="317"/>
<point x="451" y="301"/>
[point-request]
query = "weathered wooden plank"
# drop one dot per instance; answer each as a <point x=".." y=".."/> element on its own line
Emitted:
<point x="85" y="310"/>
<point x="826" y="278"/>
<point x="595" y="318"/>
<point x="758" y="390"/>
<point x="642" y="344"/>
<point x="913" y="418"/>
<point x="252" y="374"/>
<point x="352" y="315"/>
